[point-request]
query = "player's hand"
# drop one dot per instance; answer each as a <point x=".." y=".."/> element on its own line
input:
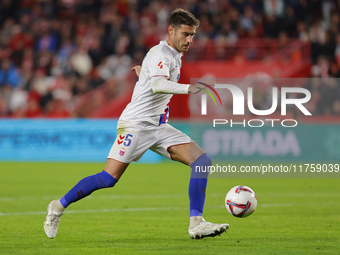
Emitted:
<point x="194" y="89"/>
<point x="199" y="86"/>
<point x="137" y="69"/>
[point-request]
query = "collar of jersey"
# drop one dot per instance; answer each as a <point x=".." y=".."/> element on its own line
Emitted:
<point x="174" y="52"/>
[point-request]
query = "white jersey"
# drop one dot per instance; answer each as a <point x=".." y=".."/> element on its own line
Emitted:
<point x="161" y="61"/>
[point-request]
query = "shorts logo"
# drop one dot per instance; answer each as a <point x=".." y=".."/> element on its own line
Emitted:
<point x="122" y="152"/>
<point x="120" y="140"/>
<point x="160" y="64"/>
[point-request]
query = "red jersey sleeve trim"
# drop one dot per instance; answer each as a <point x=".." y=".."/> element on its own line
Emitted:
<point x="160" y="76"/>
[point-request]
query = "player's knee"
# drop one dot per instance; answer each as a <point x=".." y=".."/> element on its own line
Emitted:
<point x="208" y="159"/>
<point x="200" y="168"/>
<point x="111" y="183"/>
<point x="205" y="160"/>
<point x="107" y="179"/>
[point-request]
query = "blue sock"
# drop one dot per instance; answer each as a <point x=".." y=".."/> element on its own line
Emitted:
<point x="198" y="184"/>
<point x="86" y="186"/>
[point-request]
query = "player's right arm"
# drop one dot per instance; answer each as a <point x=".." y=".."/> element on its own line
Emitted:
<point x="137" y="69"/>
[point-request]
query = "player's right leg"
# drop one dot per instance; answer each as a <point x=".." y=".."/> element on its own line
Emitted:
<point x="192" y="154"/>
<point x="112" y="172"/>
<point x="177" y="146"/>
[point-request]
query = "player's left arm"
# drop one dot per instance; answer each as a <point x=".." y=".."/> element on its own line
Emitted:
<point x="159" y="66"/>
<point x="162" y="85"/>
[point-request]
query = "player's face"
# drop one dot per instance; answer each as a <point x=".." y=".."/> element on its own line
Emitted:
<point x="182" y="37"/>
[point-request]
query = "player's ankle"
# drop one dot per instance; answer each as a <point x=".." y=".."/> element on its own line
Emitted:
<point x="57" y="207"/>
<point x="195" y="220"/>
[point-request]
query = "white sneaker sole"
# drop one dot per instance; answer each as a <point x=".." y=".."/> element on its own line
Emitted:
<point x="218" y="229"/>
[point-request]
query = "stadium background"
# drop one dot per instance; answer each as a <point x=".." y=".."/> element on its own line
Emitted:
<point x="65" y="78"/>
<point x="72" y="59"/>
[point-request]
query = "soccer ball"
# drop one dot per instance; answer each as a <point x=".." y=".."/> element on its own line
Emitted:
<point x="241" y="201"/>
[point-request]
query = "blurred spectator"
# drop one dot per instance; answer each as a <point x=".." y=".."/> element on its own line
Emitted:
<point x="247" y="19"/>
<point x="18" y="100"/>
<point x="33" y="109"/>
<point x="9" y="75"/>
<point x="56" y="109"/>
<point x="81" y="62"/>
<point x="47" y="40"/>
<point x="274" y="7"/>
<point x="3" y="108"/>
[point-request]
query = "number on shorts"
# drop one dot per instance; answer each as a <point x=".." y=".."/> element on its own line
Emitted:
<point x="128" y="140"/>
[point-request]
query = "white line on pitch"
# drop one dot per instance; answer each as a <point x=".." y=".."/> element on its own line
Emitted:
<point x="148" y="196"/>
<point x="145" y="196"/>
<point x="149" y="209"/>
<point x="131" y="210"/>
<point x="102" y="210"/>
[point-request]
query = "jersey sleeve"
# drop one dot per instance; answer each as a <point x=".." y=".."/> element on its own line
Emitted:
<point x="163" y="86"/>
<point x="159" y="65"/>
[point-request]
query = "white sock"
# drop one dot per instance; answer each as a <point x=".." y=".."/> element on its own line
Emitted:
<point x="195" y="220"/>
<point x="57" y="207"/>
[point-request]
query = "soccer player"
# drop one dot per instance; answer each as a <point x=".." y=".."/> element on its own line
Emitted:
<point x="143" y="125"/>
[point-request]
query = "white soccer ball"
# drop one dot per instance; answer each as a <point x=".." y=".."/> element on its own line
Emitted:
<point x="241" y="201"/>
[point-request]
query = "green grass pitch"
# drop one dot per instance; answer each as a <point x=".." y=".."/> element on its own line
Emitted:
<point x="147" y="213"/>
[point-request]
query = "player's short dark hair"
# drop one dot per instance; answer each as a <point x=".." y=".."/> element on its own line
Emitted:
<point x="182" y="17"/>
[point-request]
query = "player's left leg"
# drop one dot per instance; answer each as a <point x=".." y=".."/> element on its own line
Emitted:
<point x="129" y="145"/>
<point x="113" y="170"/>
